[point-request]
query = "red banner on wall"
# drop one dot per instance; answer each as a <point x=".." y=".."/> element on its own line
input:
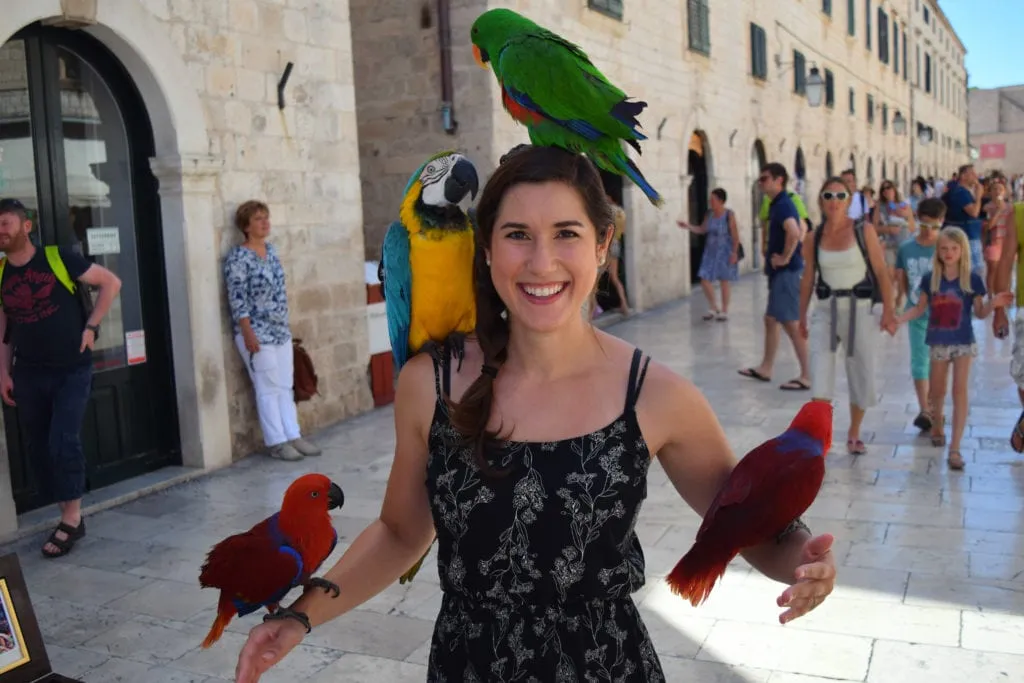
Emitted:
<point x="993" y="150"/>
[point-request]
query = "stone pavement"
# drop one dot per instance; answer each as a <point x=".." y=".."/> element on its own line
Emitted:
<point x="931" y="577"/>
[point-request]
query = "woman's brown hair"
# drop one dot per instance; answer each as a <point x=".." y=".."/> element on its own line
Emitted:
<point x="523" y="164"/>
<point x="245" y="213"/>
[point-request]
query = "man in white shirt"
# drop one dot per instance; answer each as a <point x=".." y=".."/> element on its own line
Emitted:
<point x="858" y="204"/>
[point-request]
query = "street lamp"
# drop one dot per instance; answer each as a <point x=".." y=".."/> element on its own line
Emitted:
<point x="815" y="87"/>
<point x="899" y="124"/>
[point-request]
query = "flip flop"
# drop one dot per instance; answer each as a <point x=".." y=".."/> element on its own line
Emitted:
<point x="955" y="460"/>
<point x="754" y="374"/>
<point x="856" y="447"/>
<point x="795" y="385"/>
<point x="1018" y="435"/>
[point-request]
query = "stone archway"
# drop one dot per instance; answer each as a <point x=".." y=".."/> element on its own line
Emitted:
<point x="187" y="175"/>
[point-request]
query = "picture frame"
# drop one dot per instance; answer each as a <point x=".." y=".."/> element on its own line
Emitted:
<point x="23" y="657"/>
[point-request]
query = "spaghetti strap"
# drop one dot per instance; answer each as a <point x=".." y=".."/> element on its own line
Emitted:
<point x="636" y="378"/>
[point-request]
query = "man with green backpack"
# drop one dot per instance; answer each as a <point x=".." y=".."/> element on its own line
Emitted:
<point x="48" y="334"/>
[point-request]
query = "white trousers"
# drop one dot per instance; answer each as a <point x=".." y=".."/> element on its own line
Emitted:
<point x="860" y="367"/>
<point x="271" y="370"/>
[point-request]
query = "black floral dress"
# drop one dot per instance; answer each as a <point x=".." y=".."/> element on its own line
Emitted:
<point x="538" y="567"/>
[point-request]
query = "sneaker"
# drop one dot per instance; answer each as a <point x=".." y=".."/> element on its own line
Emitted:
<point x="285" y="451"/>
<point x="923" y="421"/>
<point x="304" y="447"/>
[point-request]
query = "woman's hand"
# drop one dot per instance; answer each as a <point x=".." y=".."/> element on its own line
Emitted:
<point x="733" y="258"/>
<point x="252" y="344"/>
<point x="267" y="645"/>
<point x="890" y="322"/>
<point x="816" y="577"/>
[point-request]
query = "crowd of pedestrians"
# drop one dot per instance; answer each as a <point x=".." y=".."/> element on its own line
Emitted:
<point x="932" y="262"/>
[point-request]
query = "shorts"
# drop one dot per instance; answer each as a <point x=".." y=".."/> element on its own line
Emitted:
<point x="860" y="367"/>
<point x="977" y="258"/>
<point x="1017" y="354"/>
<point x="947" y="352"/>
<point x="890" y="255"/>
<point x="920" y="360"/>
<point x="784" y="295"/>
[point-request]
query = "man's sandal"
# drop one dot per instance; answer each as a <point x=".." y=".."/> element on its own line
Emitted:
<point x="955" y="460"/>
<point x="64" y="546"/>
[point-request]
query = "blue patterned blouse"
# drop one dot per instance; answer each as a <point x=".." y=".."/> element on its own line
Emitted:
<point x="256" y="290"/>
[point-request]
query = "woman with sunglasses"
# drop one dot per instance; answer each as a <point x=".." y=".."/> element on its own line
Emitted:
<point x="844" y="263"/>
<point x="894" y="220"/>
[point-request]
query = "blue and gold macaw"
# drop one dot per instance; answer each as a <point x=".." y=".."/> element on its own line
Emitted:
<point x="426" y="266"/>
<point x="427" y="259"/>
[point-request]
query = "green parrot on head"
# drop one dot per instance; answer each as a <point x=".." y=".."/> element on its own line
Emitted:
<point x="550" y="86"/>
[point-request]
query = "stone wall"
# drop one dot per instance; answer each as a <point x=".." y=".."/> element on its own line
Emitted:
<point x="396" y="53"/>
<point x="303" y="161"/>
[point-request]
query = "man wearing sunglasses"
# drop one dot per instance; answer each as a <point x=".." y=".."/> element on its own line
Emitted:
<point x="784" y="265"/>
<point x="47" y="334"/>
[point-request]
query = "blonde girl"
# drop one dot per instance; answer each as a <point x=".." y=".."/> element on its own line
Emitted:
<point x="950" y="292"/>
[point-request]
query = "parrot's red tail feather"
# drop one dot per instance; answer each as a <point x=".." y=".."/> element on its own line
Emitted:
<point x="696" y="574"/>
<point x="224" y="615"/>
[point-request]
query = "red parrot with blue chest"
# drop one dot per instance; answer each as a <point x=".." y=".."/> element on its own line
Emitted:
<point x="257" y="568"/>
<point x="768" y="489"/>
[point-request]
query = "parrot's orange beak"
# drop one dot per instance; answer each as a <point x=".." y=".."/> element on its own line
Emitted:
<point x="479" y="57"/>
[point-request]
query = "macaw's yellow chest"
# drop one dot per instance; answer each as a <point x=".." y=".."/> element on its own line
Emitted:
<point x="442" y="286"/>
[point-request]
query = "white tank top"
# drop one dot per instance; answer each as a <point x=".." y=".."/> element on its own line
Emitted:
<point x="842" y="269"/>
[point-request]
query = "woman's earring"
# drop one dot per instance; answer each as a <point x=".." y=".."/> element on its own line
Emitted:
<point x="488" y="259"/>
<point x="504" y="314"/>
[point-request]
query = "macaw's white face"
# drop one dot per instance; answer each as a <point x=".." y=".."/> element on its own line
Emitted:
<point x="447" y="180"/>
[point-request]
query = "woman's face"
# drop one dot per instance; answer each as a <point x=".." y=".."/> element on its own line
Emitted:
<point x="716" y="203"/>
<point x="888" y="193"/>
<point x="259" y="225"/>
<point x="544" y="255"/>
<point x="949" y="251"/>
<point x="835" y="200"/>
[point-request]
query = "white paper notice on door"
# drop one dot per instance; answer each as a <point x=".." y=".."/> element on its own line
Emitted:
<point x="135" y="343"/>
<point x="103" y="241"/>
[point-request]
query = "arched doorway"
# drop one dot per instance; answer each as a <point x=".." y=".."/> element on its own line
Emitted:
<point x="853" y="164"/>
<point x="758" y="160"/>
<point x="800" y="174"/>
<point x="607" y="297"/>
<point x="869" y="175"/>
<point x="829" y="169"/>
<point x="885" y="170"/>
<point x="78" y="138"/>
<point x="698" y="168"/>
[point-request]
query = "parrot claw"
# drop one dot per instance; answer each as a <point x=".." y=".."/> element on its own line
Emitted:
<point x="288" y="613"/>
<point x="457" y="344"/>
<point x="326" y="585"/>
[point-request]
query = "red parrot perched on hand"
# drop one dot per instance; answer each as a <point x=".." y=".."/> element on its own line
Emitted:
<point x="257" y="568"/>
<point x="767" y="490"/>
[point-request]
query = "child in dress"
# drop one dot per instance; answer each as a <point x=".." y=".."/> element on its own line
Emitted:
<point x="950" y="292"/>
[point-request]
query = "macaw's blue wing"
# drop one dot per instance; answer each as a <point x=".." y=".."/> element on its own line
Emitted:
<point x="397" y="291"/>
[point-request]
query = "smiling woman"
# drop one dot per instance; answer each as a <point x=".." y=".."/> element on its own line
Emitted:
<point x="537" y="551"/>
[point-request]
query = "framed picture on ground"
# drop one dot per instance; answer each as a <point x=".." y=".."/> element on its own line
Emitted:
<point x="23" y="657"/>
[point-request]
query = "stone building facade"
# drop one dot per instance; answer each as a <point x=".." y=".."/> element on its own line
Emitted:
<point x="997" y="128"/>
<point x="725" y="84"/>
<point x="939" y="80"/>
<point x="207" y="133"/>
